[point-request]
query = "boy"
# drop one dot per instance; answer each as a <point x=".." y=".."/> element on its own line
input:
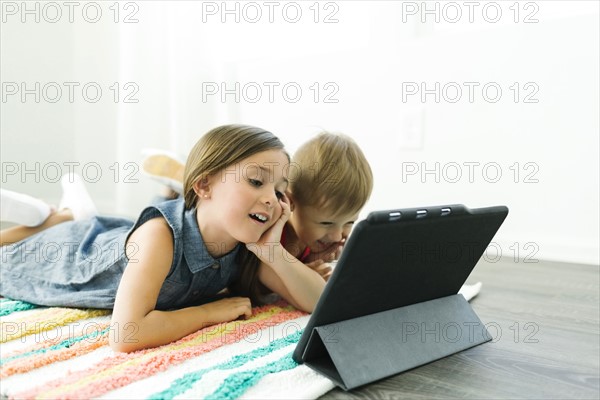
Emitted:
<point x="332" y="184"/>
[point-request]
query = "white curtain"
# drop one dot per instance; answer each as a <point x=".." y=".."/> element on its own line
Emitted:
<point x="362" y="62"/>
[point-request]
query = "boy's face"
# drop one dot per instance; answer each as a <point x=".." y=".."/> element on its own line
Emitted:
<point x="319" y="229"/>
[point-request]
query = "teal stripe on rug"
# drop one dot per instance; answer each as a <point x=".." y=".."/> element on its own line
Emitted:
<point x="64" y="344"/>
<point x="183" y="384"/>
<point x="235" y="385"/>
<point x="8" y="306"/>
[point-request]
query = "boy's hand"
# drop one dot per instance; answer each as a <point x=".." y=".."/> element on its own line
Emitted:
<point x="322" y="268"/>
<point x="329" y="254"/>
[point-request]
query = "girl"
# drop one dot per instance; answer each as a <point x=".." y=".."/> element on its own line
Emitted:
<point x="160" y="273"/>
<point x="332" y="183"/>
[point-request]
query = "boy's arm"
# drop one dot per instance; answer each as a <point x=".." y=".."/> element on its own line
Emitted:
<point x="135" y="323"/>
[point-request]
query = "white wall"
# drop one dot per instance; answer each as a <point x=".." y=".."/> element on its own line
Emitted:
<point x="369" y="55"/>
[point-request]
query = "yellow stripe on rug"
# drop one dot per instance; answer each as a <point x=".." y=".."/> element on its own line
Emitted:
<point x="45" y="320"/>
<point x="122" y="369"/>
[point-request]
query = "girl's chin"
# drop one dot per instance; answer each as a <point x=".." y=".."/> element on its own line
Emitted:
<point x="249" y="238"/>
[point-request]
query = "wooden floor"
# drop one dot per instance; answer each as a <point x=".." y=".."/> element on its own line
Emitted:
<point x="544" y="320"/>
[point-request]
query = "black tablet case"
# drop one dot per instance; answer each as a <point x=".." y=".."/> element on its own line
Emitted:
<point x="392" y="303"/>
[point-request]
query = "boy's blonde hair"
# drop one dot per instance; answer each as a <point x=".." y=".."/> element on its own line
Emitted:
<point x="221" y="147"/>
<point x="330" y="171"/>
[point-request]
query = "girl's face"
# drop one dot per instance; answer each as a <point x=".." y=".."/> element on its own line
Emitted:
<point x="243" y="199"/>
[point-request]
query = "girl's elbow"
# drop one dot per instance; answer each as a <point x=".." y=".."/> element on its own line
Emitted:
<point x="304" y="306"/>
<point x="120" y="347"/>
<point x="124" y="340"/>
<point x="309" y="308"/>
<point x="123" y="346"/>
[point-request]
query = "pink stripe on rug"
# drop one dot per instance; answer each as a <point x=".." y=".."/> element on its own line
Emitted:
<point x="37" y="360"/>
<point x="123" y="369"/>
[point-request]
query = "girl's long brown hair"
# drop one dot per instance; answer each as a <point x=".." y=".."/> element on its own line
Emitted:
<point x="216" y="150"/>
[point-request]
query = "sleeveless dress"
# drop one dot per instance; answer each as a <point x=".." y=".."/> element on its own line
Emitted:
<point x="80" y="263"/>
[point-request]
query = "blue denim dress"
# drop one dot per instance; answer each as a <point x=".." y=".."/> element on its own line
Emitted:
<point x="80" y="263"/>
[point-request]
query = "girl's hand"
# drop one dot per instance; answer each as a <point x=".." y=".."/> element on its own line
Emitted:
<point x="322" y="268"/>
<point x="277" y="228"/>
<point x="226" y="310"/>
<point x="270" y="241"/>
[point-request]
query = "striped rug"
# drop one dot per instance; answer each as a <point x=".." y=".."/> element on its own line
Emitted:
<point x="61" y="353"/>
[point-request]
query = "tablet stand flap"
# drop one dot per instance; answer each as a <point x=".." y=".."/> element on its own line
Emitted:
<point x="365" y="349"/>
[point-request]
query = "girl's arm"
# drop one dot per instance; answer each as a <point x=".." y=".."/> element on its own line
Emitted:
<point x="281" y="272"/>
<point x="135" y="323"/>
<point x="294" y="282"/>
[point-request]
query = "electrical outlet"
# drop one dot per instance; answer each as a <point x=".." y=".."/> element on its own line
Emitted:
<point x="410" y="136"/>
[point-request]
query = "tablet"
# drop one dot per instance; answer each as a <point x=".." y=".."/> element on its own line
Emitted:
<point x="397" y="258"/>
